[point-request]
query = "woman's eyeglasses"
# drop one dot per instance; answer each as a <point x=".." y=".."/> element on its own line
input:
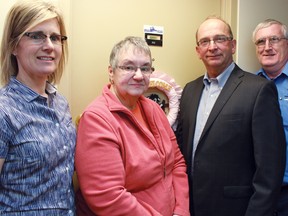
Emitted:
<point x="146" y="70"/>
<point x="40" y="38"/>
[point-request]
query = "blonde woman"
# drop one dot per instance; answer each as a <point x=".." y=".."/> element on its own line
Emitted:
<point x="37" y="137"/>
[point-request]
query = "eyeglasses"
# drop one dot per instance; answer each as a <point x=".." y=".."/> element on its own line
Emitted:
<point x="40" y="37"/>
<point x="272" y="40"/>
<point x="146" y="70"/>
<point x="219" y="39"/>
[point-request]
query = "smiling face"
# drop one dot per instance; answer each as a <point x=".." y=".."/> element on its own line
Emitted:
<point x="37" y="61"/>
<point x="129" y="86"/>
<point x="216" y="56"/>
<point x="272" y="57"/>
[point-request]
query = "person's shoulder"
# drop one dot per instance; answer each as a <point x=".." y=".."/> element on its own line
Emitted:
<point x="198" y="79"/>
<point x="250" y="76"/>
<point x="6" y="97"/>
<point x="254" y="83"/>
<point x="95" y="108"/>
<point x="194" y="82"/>
<point x="9" y="103"/>
<point x="96" y="105"/>
<point x="255" y="78"/>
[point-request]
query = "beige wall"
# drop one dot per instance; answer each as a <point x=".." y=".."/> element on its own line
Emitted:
<point x="98" y="25"/>
<point x="95" y="26"/>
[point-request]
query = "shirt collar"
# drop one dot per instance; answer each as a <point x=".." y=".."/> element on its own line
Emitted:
<point x="221" y="78"/>
<point x="261" y="72"/>
<point x="28" y="94"/>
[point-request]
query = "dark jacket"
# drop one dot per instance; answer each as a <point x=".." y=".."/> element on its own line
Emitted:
<point x="240" y="158"/>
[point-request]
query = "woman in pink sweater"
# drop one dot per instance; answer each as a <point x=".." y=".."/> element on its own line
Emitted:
<point x="127" y="159"/>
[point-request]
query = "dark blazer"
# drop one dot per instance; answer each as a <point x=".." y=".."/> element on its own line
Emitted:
<point x="240" y="159"/>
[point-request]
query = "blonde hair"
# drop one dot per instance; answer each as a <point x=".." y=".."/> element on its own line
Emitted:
<point x="23" y="16"/>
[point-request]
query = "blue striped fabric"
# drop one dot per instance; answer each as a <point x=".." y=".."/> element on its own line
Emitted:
<point x="37" y="140"/>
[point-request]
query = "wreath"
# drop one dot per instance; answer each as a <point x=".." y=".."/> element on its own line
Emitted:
<point x="166" y="92"/>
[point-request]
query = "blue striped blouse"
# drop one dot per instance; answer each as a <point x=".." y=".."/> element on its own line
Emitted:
<point x="37" y="141"/>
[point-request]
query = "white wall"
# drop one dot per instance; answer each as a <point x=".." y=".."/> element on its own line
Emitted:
<point x="250" y="13"/>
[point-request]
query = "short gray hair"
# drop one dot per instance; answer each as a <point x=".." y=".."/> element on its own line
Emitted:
<point x="138" y="43"/>
<point x="266" y="23"/>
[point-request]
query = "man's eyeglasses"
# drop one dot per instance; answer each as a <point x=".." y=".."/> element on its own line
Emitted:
<point x="146" y="70"/>
<point x="272" y="40"/>
<point x="219" y="39"/>
<point x="40" y="37"/>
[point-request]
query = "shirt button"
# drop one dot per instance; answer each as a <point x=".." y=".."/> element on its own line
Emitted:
<point x="57" y="124"/>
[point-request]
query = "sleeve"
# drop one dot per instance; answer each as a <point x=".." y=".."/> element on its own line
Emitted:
<point x="180" y="182"/>
<point x="269" y="152"/>
<point x="101" y="172"/>
<point x="6" y="133"/>
<point x="179" y="130"/>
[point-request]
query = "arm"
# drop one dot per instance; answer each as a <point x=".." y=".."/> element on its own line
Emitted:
<point x="100" y="169"/>
<point x="6" y="132"/>
<point x="1" y="163"/>
<point x="180" y="184"/>
<point x="269" y="152"/>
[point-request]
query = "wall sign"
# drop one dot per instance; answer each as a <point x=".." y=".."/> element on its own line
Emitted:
<point x="154" y="35"/>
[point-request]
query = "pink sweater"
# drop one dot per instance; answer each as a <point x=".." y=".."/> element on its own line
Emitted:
<point x="125" y="169"/>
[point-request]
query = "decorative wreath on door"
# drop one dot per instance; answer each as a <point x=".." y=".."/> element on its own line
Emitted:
<point x="166" y="92"/>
